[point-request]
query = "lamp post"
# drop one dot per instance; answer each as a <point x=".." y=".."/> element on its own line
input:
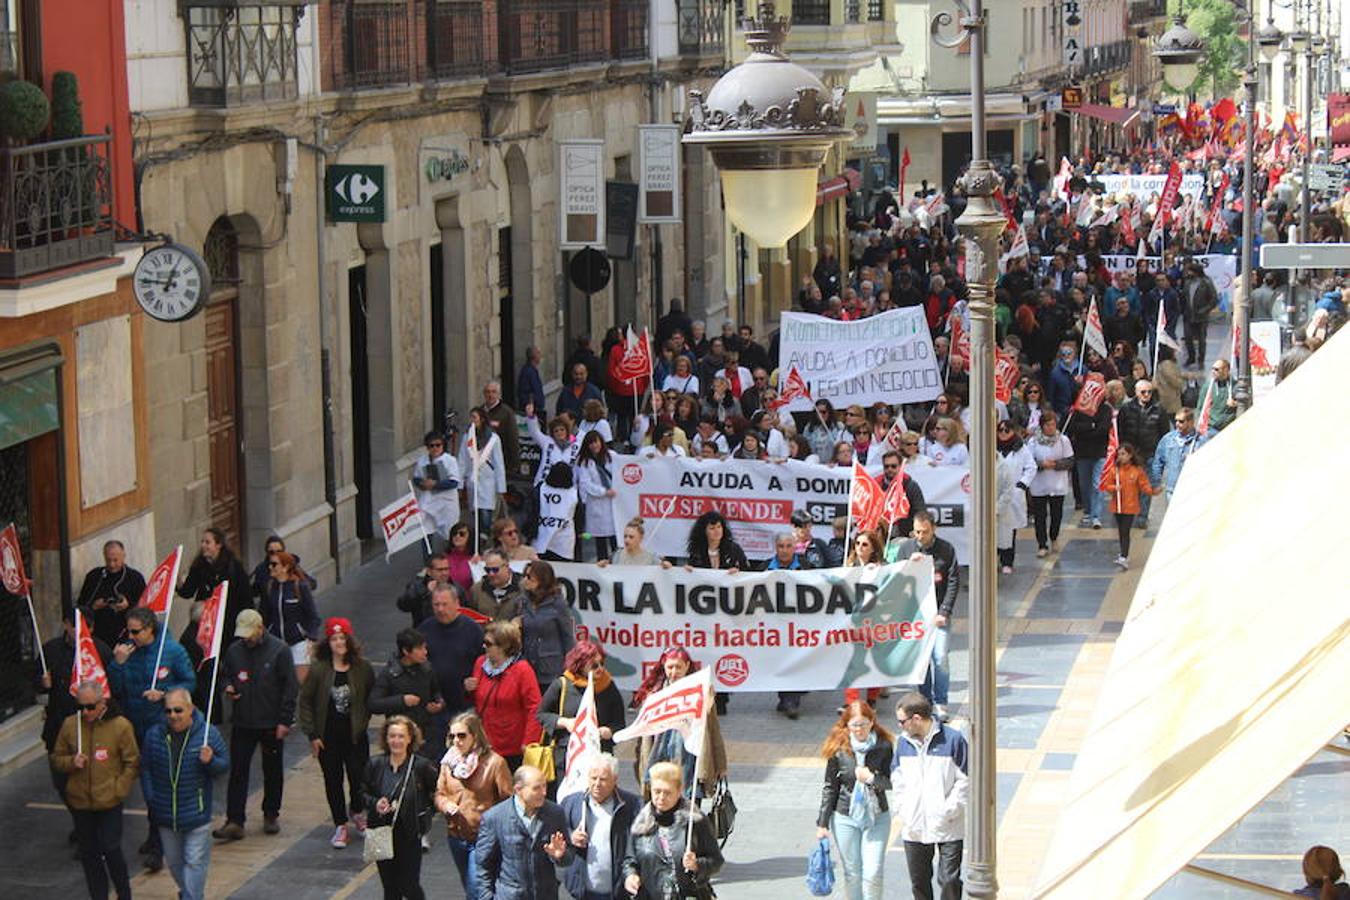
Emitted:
<point x="980" y="226"/>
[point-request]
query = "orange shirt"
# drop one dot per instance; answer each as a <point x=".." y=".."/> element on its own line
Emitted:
<point x="1127" y="483"/>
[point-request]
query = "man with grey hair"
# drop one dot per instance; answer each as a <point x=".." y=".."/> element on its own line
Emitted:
<point x="599" y="820"/>
<point x="522" y="842"/>
<point x="96" y="749"/>
<point x="1142" y="423"/>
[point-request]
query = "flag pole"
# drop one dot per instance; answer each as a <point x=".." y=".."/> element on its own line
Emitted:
<point x="37" y="634"/>
<point x="693" y="782"/>
<point x="1157" y="337"/>
<point x="217" y="639"/>
<point x="590" y="686"/>
<point x="426" y="539"/>
<point x="848" y="527"/>
<point x="168" y="611"/>
<point x="79" y="679"/>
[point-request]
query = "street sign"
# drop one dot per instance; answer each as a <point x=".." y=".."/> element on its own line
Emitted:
<point x="1073" y="50"/>
<point x="1323" y="177"/>
<point x="1071" y="97"/>
<point x="354" y="193"/>
<point x="1305" y="256"/>
<point x="1071" y="10"/>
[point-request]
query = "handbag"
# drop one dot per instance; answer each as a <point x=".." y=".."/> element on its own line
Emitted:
<point x="540" y="754"/>
<point x="722" y="814"/>
<point x="820" y="870"/>
<point x="379" y="843"/>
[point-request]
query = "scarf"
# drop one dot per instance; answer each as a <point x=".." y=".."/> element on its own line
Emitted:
<point x="461" y="765"/>
<point x="495" y="670"/>
<point x="602" y="680"/>
<point x="860" y="748"/>
<point x="733" y="377"/>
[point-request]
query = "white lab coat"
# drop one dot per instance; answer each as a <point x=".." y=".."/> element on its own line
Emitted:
<point x="490" y="479"/>
<point x="440" y="507"/>
<point x="599" y="508"/>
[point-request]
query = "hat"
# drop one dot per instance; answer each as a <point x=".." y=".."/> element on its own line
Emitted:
<point x="337" y="625"/>
<point x="248" y="622"/>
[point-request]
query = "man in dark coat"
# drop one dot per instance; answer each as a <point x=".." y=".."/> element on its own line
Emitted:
<point x="109" y="591"/>
<point x="598" y="820"/>
<point x="521" y="842"/>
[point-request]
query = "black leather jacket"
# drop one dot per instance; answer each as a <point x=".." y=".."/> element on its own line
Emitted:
<point x="840" y="779"/>
<point x="660" y="868"/>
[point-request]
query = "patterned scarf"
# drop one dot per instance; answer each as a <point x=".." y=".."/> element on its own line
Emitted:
<point x="461" y="765"/>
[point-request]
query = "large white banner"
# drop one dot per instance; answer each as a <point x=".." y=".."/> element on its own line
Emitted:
<point x="1145" y="186"/>
<point x="825" y="629"/>
<point x="758" y="499"/>
<point x="1220" y="267"/>
<point x="887" y="358"/>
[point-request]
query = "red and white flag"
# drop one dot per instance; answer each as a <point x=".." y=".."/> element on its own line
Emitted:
<point x="1019" y="248"/>
<point x="683" y="706"/>
<point x="1202" y="424"/>
<point x="936" y="205"/>
<point x="11" y="562"/>
<point x="1214" y="221"/>
<point x="636" y="361"/>
<point x="87" y="666"/>
<point x="1006" y="373"/>
<point x="1109" y="464"/>
<point x="1092" y="329"/>
<point x="895" y="438"/>
<point x="583" y="747"/>
<point x="1091" y="395"/>
<point x="211" y="626"/>
<point x="1163" y="338"/>
<point x="794" y="388"/>
<point x="865" y="499"/>
<point x="896" y="505"/>
<point x="401" y="522"/>
<point x="158" y="593"/>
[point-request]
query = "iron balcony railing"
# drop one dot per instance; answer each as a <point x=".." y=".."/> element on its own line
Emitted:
<point x="241" y="52"/>
<point x="535" y="35"/>
<point x="455" y="38"/>
<point x="1108" y="57"/>
<point x="628" y="29"/>
<point x="700" y="26"/>
<point x="377" y="44"/>
<point x="55" y="205"/>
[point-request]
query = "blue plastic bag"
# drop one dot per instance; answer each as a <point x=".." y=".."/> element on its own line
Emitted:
<point x="820" y="870"/>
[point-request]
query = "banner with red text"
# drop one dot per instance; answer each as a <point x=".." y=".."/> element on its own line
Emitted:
<point x="820" y="629"/>
<point x="758" y="497"/>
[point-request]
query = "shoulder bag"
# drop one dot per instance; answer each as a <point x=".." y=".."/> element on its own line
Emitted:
<point x="379" y="844"/>
<point x="540" y="754"/>
<point x="722" y="813"/>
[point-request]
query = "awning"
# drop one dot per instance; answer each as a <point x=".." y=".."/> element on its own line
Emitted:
<point x="1224" y="680"/>
<point x="1114" y="115"/>
<point x="1340" y="152"/>
<point x="838" y="186"/>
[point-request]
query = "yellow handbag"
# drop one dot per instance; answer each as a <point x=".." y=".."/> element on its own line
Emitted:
<point x="540" y="755"/>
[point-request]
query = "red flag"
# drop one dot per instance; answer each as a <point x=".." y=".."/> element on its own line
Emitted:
<point x="158" y="591"/>
<point x="637" y="356"/>
<point x="1214" y="218"/>
<point x="87" y="665"/>
<point x="211" y="626"/>
<point x="866" y="499"/>
<point x="11" y="562"/>
<point x="1091" y="395"/>
<point x="794" y="388"/>
<point x="1006" y="373"/>
<point x="1109" y="464"/>
<point x="896" y="505"/>
<point x="904" y="164"/>
<point x="474" y="615"/>
<point x="1202" y="424"/>
<point x="1006" y="205"/>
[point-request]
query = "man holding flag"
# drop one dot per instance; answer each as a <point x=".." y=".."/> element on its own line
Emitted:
<point x="598" y="818"/>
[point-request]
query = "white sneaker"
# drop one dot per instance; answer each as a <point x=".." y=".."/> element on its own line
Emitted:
<point x="339" y="839"/>
<point x="1096" y="524"/>
<point x="1122" y="563"/>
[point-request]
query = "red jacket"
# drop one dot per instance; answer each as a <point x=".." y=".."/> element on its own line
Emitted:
<point x="507" y="705"/>
<point x="1126" y="483"/>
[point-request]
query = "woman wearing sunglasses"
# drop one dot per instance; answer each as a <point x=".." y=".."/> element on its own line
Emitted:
<point x="473" y="779"/>
<point x="505" y="693"/>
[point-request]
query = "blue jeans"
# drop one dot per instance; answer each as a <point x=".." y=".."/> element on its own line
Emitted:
<point x="466" y="861"/>
<point x="1089" y="472"/>
<point x="1146" y="500"/>
<point x="863" y="852"/>
<point x="939" y="677"/>
<point x="187" y="854"/>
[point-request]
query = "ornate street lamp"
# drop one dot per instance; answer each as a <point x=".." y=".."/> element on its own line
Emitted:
<point x="1269" y="38"/>
<point x="1180" y="51"/>
<point x="768" y="124"/>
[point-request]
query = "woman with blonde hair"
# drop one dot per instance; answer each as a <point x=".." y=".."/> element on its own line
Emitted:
<point x="473" y="779"/>
<point x="661" y="863"/>
<point x="858" y="752"/>
<point x="400" y="791"/>
<point x="948" y="446"/>
<point x="506" y="539"/>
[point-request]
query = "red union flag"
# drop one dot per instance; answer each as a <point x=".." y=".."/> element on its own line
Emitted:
<point x="159" y="587"/>
<point x="1092" y="330"/>
<point x="1109" y="464"/>
<point x="1092" y="394"/>
<point x="682" y="706"/>
<point x="794" y="388"/>
<point x="896" y="505"/>
<point x="401" y="522"/>
<point x="87" y="666"/>
<point x="583" y="748"/>
<point x="865" y="499"/>
<point x="11" y="562"/>
<point x="1171" y="188"/>
<point x="1006" y="373"/>
<point x="212" y="623"/>
<point x="636" y="361"/>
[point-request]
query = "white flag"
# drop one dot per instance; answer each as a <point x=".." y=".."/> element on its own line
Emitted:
<point x="682" y="706"/>
<point x="401" y="522"/>
<point x="1165" y="339"/>
<point x="1092" y="330"/>
<point x="583" y="747"/>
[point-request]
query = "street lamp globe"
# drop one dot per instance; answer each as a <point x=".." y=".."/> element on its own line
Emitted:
<point x="1318" y="42"/>
<point x="1298" y="39"/>
<point x="768" y="124"/>
<point x="1269" y="38"/>
<point x="1180" y="51"/>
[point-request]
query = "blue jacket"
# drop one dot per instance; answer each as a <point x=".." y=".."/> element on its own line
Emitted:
<point x="132" y="678"/>
<point x="574" y="806"/>
<point x="1062" y="387"/>
<point x="1172" y="453"/>
<point x="177" y="787"/>
<point x="530" y="388"/>
<point x="512" y="865"/>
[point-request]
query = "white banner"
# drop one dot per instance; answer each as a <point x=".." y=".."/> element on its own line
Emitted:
<point x="1220" y="267"/>
<point x="581" y="195"/>
<point x="1265" y="350"/>
<point x="758" y="499"/>
<point x="761" y="631"/>
<point x="1145" y="186"/>
<point x="887" y="358"/>
<point x="401" y="522"/>
<point x="659" y="167"/>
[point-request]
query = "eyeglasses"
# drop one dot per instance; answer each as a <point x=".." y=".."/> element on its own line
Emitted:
<point x="489" y="643"/>
<point x="88" y="707"/>
<point x="175" y="710"/>
<point x="456" y="735"/>
<point x="859" y="724"/>
<point x="890" y="468"/>
<point x="435" y="444"/>
<point x="1180" y="421"/>
<point x="511" y="531"/>
<point x="492" y="570"/>
<point x="909" y="443"/>
<point x="134" y="631"/>
<point x="274" y="565"/>
<point x="1144" y="390"/>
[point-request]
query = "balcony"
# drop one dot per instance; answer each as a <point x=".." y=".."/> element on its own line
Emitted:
<point x="55" y="205"/>
<point x="536" y="35"/>
<point x="1105" y="58"/>
<point x="241" y="51"/>
<point x="378" y="44"/>
<point x="455" y="38"/>
<point x="1142" y="11"/>
<point x="701" y="24"/>
<point x="628" y="29"/>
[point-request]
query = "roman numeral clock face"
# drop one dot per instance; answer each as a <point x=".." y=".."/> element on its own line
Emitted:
<point x="171" y="283"/>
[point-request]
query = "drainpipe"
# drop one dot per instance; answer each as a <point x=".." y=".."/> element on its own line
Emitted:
<point x="325" y="353"/>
